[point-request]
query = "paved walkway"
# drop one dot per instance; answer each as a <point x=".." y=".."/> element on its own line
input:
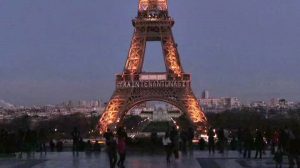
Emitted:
<point x="139" y="160"/>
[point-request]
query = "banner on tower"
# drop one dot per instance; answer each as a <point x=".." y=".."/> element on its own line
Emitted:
<point x="153" y="84"/>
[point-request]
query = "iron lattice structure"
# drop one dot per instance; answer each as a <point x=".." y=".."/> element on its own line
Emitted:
<point x="133" y="87"/>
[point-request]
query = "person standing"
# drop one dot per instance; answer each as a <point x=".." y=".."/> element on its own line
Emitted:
<point x="51" y="145"/>
<point x="76" y="136"/>
<point x="111" y="149"/>
<point x="275" y="142"/>
<point x="183" y="141"/>
<point x="175" y="142"/>
<point x="107" y="135"/>
<point x="190" y="137"/>
<point x="211" y="141"/>
<point x="240" y="141"/>
<point x="293" y="149"/>
<point x="221" y="140"/>
<point x="259" y="144"/>
<point x="167" y="145"/>
<point x="248" y="140"/>
<point x="122" y="151"/>
<point x="278" y="155"/>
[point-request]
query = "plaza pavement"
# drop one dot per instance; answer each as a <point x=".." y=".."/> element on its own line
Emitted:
<point x="200" y="159"/>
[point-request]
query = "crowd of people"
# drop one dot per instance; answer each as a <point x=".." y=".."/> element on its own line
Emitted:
<point x="22" y="141"/>
<point x="282" y="142"/>
<point x="173" y="141"/>
<point x="31" y="141"/>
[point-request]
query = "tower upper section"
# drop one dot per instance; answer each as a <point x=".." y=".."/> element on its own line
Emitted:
<point x="153" y="10"/>
<point x="161" y="5"/>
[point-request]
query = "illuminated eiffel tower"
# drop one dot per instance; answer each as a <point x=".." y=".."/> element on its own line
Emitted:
<point x="134" y="87"/>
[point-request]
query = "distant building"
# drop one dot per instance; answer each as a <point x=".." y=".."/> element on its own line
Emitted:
<point x="231" y="102"/>
<point x="258" y="104"/>
<point x="205" y="94"/>
<point x="274" y="102"/>
<point x="217" y="105"/>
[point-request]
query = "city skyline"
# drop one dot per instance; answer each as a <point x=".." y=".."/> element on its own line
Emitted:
<point x="56" y="51"/>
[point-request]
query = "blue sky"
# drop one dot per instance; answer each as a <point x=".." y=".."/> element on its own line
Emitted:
<point x="57" y="50"/>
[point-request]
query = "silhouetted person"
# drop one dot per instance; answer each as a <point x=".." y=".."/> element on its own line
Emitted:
<point x="3" y="141"/>
<point x="51" y="145"/>
<point x="27" y="141"/>
<point x="89" y="146"/>
<point x="221" y="140"/>
<point x="283" y="139"/>
<point x="293" y="149"/>
<point x="175" y="141"/>
<point x="190" y="137"/>
<point x="107" y="135"/>
<point x="76" y="137"/>
<point x="211" y="141"/>
<point x="81" y="145"/>
<point x="42" y="139"/>
<point x="121" y="132"/>
<point x="153" y="137"/>
<point x="201" y="144"/>
<point x="278" y="155"/>
<point x="167" y="145"/>
<point x="240" y="140"/>
<point x="10" y="143"/>
<point x="111" y="149"/>
<point x="122" y="151"/>
<point x="183" y="142"/>
<point x="233" y="143"/>
<point x="275" y="142"/>
<point x="30" y="141"/>
<point x="59" y="146"/>
<point x="248" y="140"/>
<point x="20" y="142"/>
<point x="259" y="144"/>
<point x="97" y="147"/>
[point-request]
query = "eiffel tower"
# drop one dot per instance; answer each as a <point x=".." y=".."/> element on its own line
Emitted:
<point x="133" y="86"/>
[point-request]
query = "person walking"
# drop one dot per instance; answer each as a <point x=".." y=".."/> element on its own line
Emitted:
<point x="167" y="145"/>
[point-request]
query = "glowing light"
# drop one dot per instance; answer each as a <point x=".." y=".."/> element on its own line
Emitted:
<point x="172" y="57"/>
<point x="136" y="52"/>
<point x="110" y="114"/>
<point x="194" y="110"/>
<point x="153" y="4"/>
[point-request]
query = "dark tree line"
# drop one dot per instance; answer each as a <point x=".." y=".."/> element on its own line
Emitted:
<point x="57" y="127"/>
<point x="252" y="119"/>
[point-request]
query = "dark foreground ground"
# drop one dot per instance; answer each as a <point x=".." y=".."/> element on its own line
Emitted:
<point x="199" y="159"/>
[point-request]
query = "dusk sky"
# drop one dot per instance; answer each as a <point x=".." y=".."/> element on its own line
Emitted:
<point x="58" y="50"/>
